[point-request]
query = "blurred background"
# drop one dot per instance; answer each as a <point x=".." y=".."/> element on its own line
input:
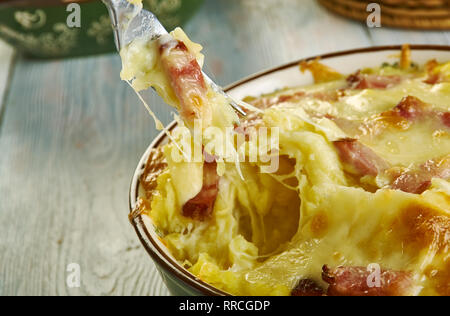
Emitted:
<point x="71" y="133"/>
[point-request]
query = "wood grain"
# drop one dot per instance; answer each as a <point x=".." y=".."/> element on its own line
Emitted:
<point x="6" y="58"/>
<point x="72" y="134"/>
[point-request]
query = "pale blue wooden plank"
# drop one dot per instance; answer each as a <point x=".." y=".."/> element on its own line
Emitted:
<point x="391" y="36"/>
<point x="70" y="140"/>
<point x="245" y="36"/>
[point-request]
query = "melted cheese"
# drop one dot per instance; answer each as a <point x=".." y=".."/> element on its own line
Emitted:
<point x="271" y="230"/>
<point x="142" y="67"/>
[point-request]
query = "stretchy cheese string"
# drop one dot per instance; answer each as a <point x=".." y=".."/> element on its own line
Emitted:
<point x="309" y="121"/>
<point x="281" y="180"/>
<point x="248" y="106"/>
<point x="159" y="125"/>
<point x="237" y="163"/>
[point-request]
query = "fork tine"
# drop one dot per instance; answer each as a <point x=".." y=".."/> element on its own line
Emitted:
<point x="130" y="21"/>
<point x="218" y="89"/>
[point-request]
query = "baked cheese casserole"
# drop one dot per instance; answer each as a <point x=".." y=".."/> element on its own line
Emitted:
<point x="360" y="202"/>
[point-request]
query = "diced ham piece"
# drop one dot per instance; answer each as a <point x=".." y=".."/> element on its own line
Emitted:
<point x="412" y="182"/>
<point x="433" y="76"/>
<point x="186" y="78"/>
<point x="358" y="281"/>
<point x="434" y="79"/>
<point x="327" y="96"/>
<point x="410" y="108"/>
<point x="267" y="102"/>
<point x="418" y="181"/>
<point x="201" y="206"/>
<point x="445" y="117"/>
<point x="358" y="158"/>
<point x="361" y="81"/>
<point x="307" y="287"/>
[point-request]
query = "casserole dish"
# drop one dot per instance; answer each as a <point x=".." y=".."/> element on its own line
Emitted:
<point x="178" y="279"/>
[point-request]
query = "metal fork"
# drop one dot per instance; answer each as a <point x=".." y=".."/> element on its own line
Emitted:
<point x="129" y="22"/>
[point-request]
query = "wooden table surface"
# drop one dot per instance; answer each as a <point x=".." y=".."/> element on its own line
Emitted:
<point x="71" y="134"/>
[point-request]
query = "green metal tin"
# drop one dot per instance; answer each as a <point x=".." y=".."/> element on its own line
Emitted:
<point x="38" y="28"/>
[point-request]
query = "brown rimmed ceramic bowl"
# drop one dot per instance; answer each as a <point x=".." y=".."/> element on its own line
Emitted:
<point x="178" y="279"/>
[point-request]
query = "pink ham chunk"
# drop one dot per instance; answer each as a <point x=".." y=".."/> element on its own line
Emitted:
<point x="201" y="206"/>
<point x="358" y="158"/>
<point x="186" y="79"/>
<point x="419" y="180"/>
<point x="358" y="281"/>
<point x="361" y="81"/>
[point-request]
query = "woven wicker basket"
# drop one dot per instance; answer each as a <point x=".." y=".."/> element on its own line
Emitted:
<point x="417" y="14"/>
<point x="415" y="3"/>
